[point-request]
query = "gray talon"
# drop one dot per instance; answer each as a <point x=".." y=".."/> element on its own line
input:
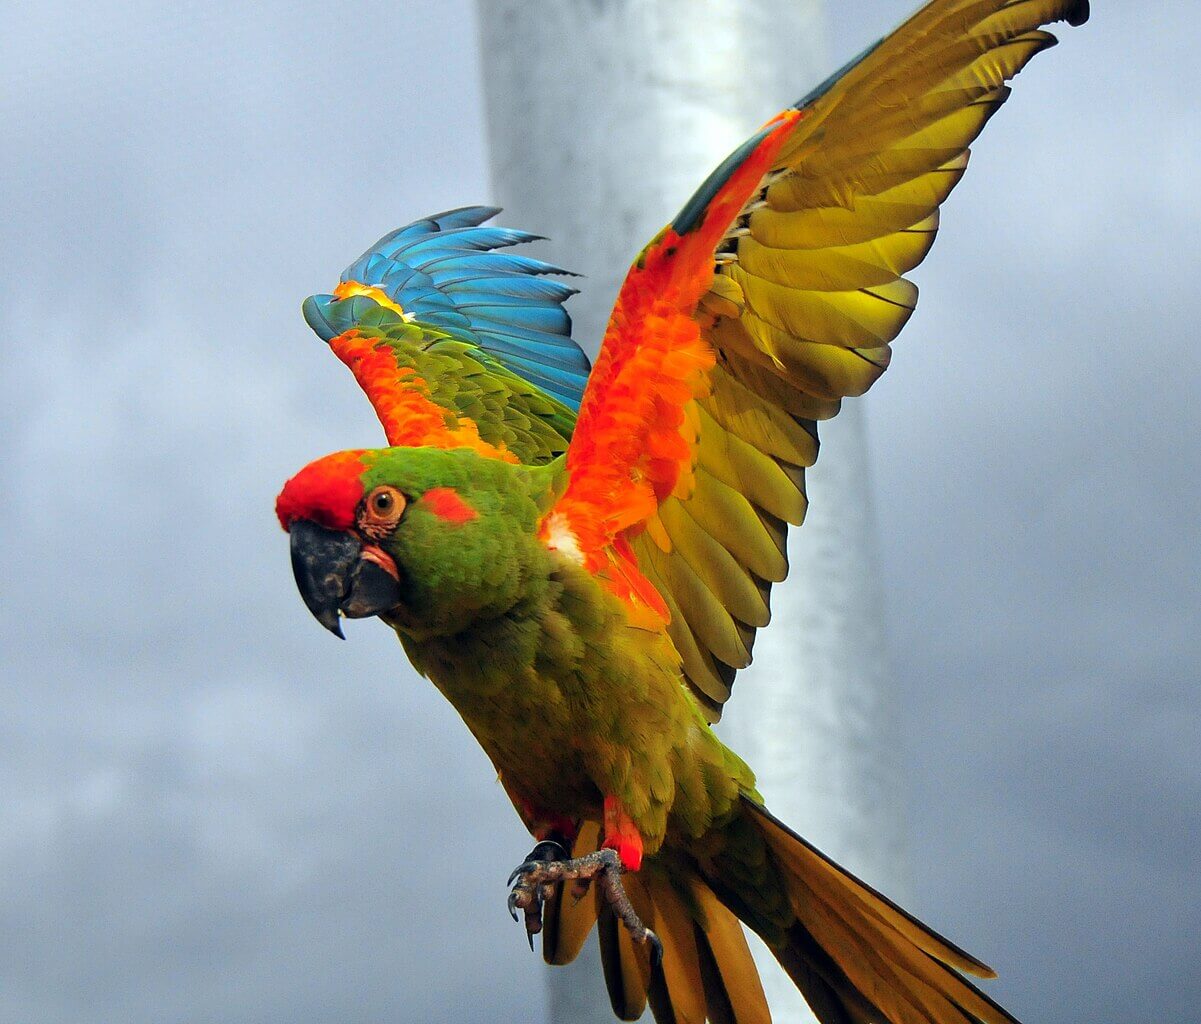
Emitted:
<point x="534" y="882"/>
<point x="531" y="885"/>
<point x="656" y="949"/>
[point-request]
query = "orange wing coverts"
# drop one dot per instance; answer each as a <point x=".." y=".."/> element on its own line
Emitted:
<point x="773" y="295"/>
<point x="633" y="447"/>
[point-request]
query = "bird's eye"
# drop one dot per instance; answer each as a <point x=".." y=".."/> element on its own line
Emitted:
<point x="382" y="511"/>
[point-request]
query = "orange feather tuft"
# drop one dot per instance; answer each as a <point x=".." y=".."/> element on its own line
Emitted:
<point x="347" y="289"/>
<point x="633" y="445"/>
<point x="402" y="401"/>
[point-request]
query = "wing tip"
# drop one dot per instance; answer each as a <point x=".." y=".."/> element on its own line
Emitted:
<point x="313" y="311"/>
<point x="1078" y="13"/>
<point x="464" y="216"/>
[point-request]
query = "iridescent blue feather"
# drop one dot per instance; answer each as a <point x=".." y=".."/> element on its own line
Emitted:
<point x="446" y="271"/>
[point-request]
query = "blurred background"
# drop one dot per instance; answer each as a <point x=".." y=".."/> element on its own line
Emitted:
<point x="209" y="810"/>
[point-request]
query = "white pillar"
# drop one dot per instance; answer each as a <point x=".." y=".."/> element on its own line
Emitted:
<point x="603" y="117"/>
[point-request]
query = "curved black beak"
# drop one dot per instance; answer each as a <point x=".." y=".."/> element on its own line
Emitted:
<point x="335" y="579"/>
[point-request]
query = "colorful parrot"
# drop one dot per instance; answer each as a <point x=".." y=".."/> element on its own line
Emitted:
<point x="579" y="560"/>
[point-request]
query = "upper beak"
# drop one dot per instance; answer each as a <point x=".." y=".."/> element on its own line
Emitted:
<point x="334" y="578"/>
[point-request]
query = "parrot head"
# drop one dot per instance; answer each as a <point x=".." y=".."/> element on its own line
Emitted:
<point x="428" y="539"/>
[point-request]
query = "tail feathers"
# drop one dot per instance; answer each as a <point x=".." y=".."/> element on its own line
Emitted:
<point x="856" y="956"/>
<point x="828" y="877"/>
<point x="730" y="976"/>
<point x="707" y="973"/>
<point x="626" y="977"/>
<point x="826" y="988"/>
<point x="566" y="922"/>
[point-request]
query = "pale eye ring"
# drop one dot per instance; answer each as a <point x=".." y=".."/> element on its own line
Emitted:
<point x="382" y="509"/>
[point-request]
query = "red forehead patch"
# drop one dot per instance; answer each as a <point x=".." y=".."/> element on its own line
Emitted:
<point x="446" y="504"/>
<point x="326" y="491"/>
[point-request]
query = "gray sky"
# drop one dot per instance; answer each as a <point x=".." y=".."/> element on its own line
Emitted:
<point x="211" y="811"/>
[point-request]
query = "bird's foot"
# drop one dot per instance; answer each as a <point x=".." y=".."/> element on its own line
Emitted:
<point x="528" y="892"/>
<point x="533" y="882"/>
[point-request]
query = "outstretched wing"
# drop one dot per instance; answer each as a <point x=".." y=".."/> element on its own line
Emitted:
<point x="773" y="295"/>
<point x="456" y="343"/>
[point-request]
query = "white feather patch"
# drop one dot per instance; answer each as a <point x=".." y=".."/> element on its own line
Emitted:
<point x="560" y="538"/>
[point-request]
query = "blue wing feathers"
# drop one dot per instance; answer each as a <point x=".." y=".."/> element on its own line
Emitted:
<point x="551" y="355"/>
<point x="509" y="286"/>
<point x="513" y="263"/>
<point x="546" y="319"/>
<point x="446" y="271"/>
<point x="458" y="238"/>
<point x="523" y="335"/>
<point x="550" y="378"/>
<point x="464" y="217"/>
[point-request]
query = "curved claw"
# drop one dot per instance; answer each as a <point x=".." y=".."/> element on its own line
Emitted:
<point x="529" y="888"/>
<point x="545" y="869"/>
<point x="524" y="868"/>
<point x="656" y="951"/>
<point x="547" y="851"/>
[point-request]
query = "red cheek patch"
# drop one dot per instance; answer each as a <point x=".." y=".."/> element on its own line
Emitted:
<point x="446" y="504"/>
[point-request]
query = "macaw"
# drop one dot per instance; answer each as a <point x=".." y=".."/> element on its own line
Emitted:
<point x="579" y="560"/>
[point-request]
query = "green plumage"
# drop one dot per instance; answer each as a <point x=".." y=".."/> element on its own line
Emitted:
<point x="577" y="705"/>
<point x="530" y="648"/>
<point x="472" y="385"/>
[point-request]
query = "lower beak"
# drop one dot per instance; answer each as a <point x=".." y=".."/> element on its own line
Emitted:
<point x="334" y="577"/>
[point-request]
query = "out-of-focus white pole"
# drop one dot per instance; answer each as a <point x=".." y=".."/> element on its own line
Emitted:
<point x="603" y="117"/>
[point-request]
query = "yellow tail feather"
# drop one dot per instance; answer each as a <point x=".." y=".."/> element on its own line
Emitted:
<point x="856" y="955"/>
